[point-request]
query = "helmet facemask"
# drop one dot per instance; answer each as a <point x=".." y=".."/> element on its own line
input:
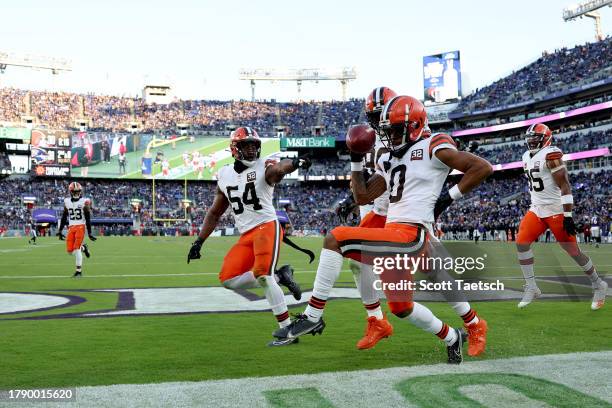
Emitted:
<point x="535" y="142"/>
<point x="248" y="151"/>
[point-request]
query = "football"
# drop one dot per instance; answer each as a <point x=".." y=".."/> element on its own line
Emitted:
<point x="360" y="138"/>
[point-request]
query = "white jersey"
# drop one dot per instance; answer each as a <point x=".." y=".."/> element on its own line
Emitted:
<point x="249" y="194"/>
<point x="381" y="204"/>
<point x="415" y="180"/>
<point x="76" y="213"/>
<point x="545" y="193"/>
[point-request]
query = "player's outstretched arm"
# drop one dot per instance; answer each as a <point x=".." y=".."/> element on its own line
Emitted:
<point x="561" y="178"/>
<point x="275" y="172"/>
<point x="63" y="223"/>
<point x="211" y="219"/>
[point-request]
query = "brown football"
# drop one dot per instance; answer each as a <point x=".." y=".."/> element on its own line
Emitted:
<point x="360" y="138"/>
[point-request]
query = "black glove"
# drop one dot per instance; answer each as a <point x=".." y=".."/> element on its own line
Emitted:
<point x="357" y="157"/>
<point x="569" y="226"/>
<point x="443" y="202"/>
<point x="345" y="208"/>
<point x="60" y="235"/>
<point x="91" y="237"/>
<point x="302" y="162"/>
<point x="194" y="251"/>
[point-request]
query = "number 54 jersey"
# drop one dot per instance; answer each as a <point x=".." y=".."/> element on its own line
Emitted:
<point x="545" y="193"/>
<point x="249" y="194"/>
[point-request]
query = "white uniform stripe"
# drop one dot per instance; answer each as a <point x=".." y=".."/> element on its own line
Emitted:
<point x="276" y="248"/>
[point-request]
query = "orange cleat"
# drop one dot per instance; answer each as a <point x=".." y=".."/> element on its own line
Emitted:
<point x="477" y="337"/>
<point x="376" y="330"/>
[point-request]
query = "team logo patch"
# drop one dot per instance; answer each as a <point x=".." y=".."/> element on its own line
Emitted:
<point x="251" y="176"/>
<point x="416" y="154"/>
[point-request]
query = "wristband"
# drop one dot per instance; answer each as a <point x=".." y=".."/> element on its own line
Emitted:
<point x="356" y="166"/>
<point x="454" y="192"/>
<point x="567" y="214"/>
<point x="567" y="199"/>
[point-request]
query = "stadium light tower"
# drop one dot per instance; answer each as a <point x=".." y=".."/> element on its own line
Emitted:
<point x="588" y="9"/>
<point x="344" y="75"/>
<point x="55" y="65"/>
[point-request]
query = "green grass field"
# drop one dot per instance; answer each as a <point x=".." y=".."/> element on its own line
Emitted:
<point x="202" y="346"/>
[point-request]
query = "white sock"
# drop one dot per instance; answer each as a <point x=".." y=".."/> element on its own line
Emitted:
<point x="528" y="269"/>
<point x="464" y="310"/>
<point x="275" y="297"/>
<point x="364" y="279"/>
<point x="423" y="318"/>
<point x="78" y="255"/>
<point x="245" y="281"/>
<point x="330" y="264"/>
<point x="593" y="276"/>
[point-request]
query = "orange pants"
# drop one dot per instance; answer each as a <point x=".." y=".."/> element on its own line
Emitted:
<point x="532" y="227"/>
<point x="366" y="245"/>
<point x="257" y="250"/>
<point x="373" y="220"/>
<point x="74" y="240"/>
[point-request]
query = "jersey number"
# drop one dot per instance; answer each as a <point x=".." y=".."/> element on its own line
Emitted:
<point x="75" y="214"/>
<point x="401" y="169"/>
<point x="249" y="197"/>
<point x="535" y="183"/>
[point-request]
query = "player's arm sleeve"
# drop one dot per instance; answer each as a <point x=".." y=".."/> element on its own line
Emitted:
<point x="64" y="220"/>
<point x="87" y="213"/>
<point x="439" y="142"/>
<point x="554" y="161"/>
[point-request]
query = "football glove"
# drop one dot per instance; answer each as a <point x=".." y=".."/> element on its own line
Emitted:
<point x="569" y="226"/>
<point x="443" y="202"/>
<point x="60" y="235"/>
<point x="194" y="251"/>
<point x="345" y="208"/>
<point x="302" y="162"/>
<point x="91" y="237"/>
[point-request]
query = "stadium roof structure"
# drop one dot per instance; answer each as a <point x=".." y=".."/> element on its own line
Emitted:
<point x="55" y="65"/>
<point x="587" y="9"/>
<point x="299" y="75"/>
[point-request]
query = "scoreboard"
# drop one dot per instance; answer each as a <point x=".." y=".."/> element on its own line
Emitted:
<point x="50" y="153"/>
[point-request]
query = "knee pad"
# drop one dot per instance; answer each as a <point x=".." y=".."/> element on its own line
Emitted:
<point x="401" y="309"/>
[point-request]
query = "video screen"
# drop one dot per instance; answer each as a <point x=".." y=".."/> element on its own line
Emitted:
<point x="146" y="156"/>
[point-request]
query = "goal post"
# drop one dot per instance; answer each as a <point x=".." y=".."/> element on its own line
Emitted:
<point x="184" y="201"/>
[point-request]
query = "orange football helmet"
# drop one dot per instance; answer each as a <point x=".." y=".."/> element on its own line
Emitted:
<point x="240" y="139"/>
<point x="375" y="102"/>
<point x="75" y="189"/>
<point x="403" y="121"/>
<point x="538" y="136"/>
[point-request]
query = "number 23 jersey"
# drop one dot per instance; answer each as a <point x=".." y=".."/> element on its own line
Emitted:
<point x="249" y="194"/>
<point x="76" y="212"/>
<point x="544" y="191"/>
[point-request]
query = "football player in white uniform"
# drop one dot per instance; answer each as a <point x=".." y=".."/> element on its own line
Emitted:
<point x="247" y="186"/>
<point x="77" y="215"/>
<point x="413" y="173"/>
<point x="551" y="208"/>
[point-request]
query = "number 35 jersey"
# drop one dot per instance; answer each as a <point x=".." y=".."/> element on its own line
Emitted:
<point x="249" y="194"/>
<point x="545" y="193"/>
<point x="415" y="180"/>
<point x="76" y="212"/>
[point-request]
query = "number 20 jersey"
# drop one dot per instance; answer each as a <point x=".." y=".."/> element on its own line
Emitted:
<point x="545" y="193"/>
<point x="249" y="194"/>
<point x="76" y="213"/>
<point x="415" y="180"/>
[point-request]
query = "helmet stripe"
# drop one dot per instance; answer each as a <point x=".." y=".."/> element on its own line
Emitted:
<point x="378" y="96"/>
<point x="385" y="112"/>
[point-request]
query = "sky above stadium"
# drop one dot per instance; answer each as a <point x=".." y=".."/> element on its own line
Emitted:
<point x="198" y="47"/>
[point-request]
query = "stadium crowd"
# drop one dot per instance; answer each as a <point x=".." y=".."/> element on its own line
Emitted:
<point x="552" y="72"/>
<point x="493" y="207"/>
